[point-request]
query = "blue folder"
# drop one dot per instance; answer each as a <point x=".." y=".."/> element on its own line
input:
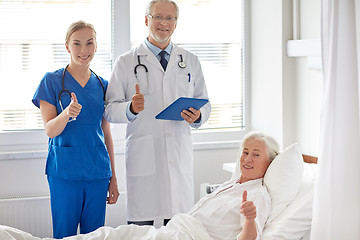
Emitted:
<point x="172" y="112"/>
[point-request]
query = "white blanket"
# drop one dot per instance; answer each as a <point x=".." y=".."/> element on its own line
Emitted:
<point x="181" y="227"/>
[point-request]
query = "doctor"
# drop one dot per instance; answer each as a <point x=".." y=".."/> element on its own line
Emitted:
<point x="159" y="161"/>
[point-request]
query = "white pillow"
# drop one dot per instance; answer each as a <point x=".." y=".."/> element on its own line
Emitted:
<point x="295" y="221"/>
<point x="283" y="179"/>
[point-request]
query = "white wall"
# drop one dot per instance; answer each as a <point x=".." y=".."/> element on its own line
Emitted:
<point x="309" y="81"/>
<point x="284" y="102"/>
<point x="26" y="176"/>
<point x="267" y="68"/>
<point x="208" y="166"/>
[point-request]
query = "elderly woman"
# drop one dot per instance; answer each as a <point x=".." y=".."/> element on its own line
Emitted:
<point x="230" y="212"/>
<point x="238" y="209"/>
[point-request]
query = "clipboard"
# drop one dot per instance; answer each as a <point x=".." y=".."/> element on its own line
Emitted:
<point x="172" y="112"/>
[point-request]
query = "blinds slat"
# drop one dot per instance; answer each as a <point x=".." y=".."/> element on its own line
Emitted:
<point x="32" y="43"/>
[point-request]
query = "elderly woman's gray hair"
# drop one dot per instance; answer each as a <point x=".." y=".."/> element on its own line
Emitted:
<point x="150" y="5"/>
<point x="271" y="144"/>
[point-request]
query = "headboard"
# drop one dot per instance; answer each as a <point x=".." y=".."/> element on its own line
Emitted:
<point x="309" y="159"/>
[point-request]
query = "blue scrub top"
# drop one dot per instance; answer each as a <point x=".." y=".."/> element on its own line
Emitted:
<point x="79" y="152"/>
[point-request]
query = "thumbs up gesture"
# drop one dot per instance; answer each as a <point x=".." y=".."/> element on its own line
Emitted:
<point x="137" y="102"/>
<point x="248" y="209"/>
<point x="74" y="108"/>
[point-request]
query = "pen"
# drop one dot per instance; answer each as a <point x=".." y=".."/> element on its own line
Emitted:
<point x="189" y="77"/>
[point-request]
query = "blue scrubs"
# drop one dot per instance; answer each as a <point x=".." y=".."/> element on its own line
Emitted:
<point x="77" y="158"/>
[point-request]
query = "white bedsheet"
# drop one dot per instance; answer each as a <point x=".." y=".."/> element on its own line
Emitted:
<point x="181" y="227"/>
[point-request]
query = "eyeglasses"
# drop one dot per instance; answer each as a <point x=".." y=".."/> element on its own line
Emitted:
<point x="161" y="18"/>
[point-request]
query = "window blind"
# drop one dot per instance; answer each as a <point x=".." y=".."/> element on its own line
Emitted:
<point x="227" y="111"/>
<point x="214" y="32"/>
<point x="32" y="43"/>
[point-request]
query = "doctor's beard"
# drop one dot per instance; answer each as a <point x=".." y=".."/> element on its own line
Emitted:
<point x="159" y="39"/>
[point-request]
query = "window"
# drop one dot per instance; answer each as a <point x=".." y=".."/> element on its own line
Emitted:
<point x="212" y="30"/>
<point x="32" y="43"/>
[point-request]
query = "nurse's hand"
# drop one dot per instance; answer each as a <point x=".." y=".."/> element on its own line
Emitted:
<point x="137" y="102"/>
<point x="113" y="191"/>
<point x="74" y="108"/>
<point x="192" y="115"/>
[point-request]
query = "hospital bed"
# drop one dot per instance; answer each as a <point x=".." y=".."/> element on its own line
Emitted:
<point x="290" y="180"/>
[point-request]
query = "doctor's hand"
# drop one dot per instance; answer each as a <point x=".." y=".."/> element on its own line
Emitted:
<point x="191" y="115"/>
<point x="248" y="209"/>
<point x="74" y="108"/>
<point x="137" y="102"/>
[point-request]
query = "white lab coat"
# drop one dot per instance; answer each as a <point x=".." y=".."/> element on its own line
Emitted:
<point x="158" y="156"/>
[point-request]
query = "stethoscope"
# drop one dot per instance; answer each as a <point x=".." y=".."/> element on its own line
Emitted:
<point x="66" y="91"/>
<point x="181" y="64"/>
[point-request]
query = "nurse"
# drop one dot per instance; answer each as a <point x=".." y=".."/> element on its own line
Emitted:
<point x="159" y="160"/>
<point x="80" y="163"/>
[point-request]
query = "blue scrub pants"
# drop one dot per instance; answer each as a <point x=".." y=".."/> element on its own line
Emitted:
<point x="75" y="202"/>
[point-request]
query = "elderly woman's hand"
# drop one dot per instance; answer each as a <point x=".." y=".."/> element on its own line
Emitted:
<point x="248" y="209"/>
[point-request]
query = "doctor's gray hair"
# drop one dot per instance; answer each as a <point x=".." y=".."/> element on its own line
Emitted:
<point x="270" y="143"/>
<point x="150" y="5"/>
<point x="78" y="26"/>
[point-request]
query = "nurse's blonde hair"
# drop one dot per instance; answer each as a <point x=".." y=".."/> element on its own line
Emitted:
<point x="78" y="26"/>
